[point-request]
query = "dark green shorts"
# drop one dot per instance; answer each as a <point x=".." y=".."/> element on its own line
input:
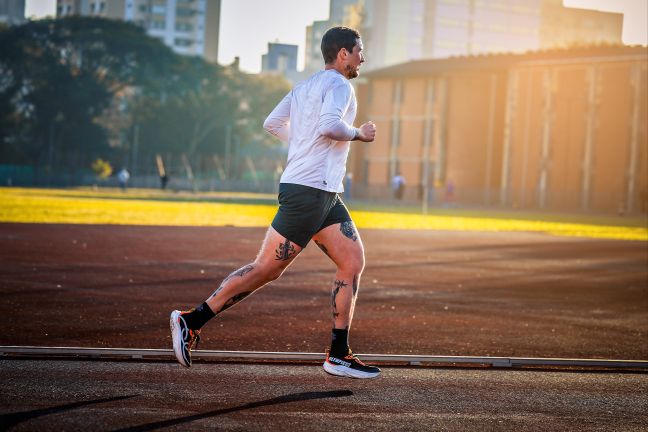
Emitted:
<point x="304" y="211"/>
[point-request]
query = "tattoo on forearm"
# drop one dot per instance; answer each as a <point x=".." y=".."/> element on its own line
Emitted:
<point x="285" y="251"/>
<point x="355" y="285"/>
<point x="232" y="301"/>
<point x="323" y="248"/>
<point x="348" y="230"/>
<point x="338" y="285"/>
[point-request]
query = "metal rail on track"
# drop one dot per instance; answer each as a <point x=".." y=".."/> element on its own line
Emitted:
<point x="113" y="353"/>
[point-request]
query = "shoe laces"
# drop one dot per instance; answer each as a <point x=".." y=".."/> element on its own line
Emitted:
<point x="195" y="339"/>
<point x="352" y="357"/>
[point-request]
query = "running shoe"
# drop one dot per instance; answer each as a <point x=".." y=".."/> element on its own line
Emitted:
<point x="349" y="366"/>
<point x="184" y="339"/>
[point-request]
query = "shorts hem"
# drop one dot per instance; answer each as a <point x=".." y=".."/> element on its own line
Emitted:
<point x="287" y="236"/>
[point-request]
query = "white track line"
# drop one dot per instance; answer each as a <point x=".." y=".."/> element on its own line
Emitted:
<point x="108" y="353"/>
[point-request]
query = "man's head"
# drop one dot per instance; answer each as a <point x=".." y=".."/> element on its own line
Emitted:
<point x="342" y="49"/>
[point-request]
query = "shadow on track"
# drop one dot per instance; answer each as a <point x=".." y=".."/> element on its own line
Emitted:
<point x="9" y="420"/>
<point x="295" y="397"/>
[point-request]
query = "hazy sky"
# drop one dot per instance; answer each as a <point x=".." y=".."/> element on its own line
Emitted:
<point x="248" y="25"/>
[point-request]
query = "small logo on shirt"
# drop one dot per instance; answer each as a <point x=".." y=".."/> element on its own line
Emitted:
<point x="324" y="182"/>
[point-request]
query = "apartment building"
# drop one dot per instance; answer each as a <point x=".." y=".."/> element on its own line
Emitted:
<point x="397" y="31"/>
<point x="12" y="12"/>
<point x="189" y="27"/>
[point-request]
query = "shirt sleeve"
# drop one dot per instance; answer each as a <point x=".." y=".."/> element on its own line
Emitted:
<point x="336" y="103"/>
<point x="278" y="122"/>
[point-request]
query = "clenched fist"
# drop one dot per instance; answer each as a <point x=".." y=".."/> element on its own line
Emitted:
<point x="367" y="132"/>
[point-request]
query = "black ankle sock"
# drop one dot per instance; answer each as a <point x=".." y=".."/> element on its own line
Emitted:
<point x="199" y="316"/>
<point x="339" y="342"/>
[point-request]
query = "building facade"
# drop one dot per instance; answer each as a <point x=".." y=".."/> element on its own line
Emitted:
<point x="560" y="130"/>
<point x="397" y="31"/>
<point x="12" y="12"/>
<point x="189" y="27"/>
<point x="279" y="58"/>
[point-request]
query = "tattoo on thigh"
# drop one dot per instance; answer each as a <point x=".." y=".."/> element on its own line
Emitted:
<point x="348" y="230"/>
<point x="285" y="251"/>
<point x="232" y="301"/>
<point x="338" y="285"/>
<point x="323" y="248"/>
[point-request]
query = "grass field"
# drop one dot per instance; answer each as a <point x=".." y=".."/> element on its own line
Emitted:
<point x="152" y="207"/>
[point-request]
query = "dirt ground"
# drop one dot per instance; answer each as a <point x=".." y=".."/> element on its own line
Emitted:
<point x="422" y="292"/>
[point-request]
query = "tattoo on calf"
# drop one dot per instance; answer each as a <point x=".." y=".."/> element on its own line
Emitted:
<point x="285" y="251"/>
<point x="323" y="248"/>
<point x="348" y="230"/>
<point x="338" y="285"/>
<point x="232" y="301"/>
<point x="240" y="273"/>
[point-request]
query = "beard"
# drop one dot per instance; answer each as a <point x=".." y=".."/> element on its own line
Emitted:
<point x="351" y="72"/>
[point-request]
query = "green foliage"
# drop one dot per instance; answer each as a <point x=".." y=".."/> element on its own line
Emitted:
<point x="102" y="169"/>
<point x="69" y="86"/>
<point x="58" y="76"/>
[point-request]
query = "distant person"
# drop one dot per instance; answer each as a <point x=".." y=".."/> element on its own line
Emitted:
<point x="449" y="193"/>
<point x="164" y="179"/>
<point x="316" y="120"/>
<point x="398" y="186"/>
<point x="123" y="175"/>
<point x="348" y="184"/>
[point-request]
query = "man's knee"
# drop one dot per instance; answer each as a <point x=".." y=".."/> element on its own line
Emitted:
<point x="354" y="264"/>
<point x="270" y="273"/>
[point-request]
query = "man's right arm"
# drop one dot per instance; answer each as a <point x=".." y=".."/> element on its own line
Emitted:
<point x="336" y="103"/>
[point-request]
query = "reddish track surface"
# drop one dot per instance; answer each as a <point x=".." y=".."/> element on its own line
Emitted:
<point x="95" y="396"/>
<point x="423" y="292"/>
<point x="442" y="293"/>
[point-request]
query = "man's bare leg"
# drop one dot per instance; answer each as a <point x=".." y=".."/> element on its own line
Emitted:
<point x="342" y="243"/>
<point x="275" y="256"/>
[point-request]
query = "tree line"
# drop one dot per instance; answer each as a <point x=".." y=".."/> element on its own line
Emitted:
<point x="80" y="88"/>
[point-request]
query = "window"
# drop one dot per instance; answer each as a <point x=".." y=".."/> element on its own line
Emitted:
<point x="92" y="8"/>
<point x="143" y="8"/>
<point x="183" y="27"/>
<point x="184" y="12"/>
<point x="158" y="9"/>
<point x="182" y="42"/>
<point x="158" y="24"/>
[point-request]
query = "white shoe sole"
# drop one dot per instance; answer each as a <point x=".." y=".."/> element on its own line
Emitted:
<point x="347" y="372"/>
<point x="176" y="335"/>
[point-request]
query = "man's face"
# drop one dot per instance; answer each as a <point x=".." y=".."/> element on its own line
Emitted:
<point x="353" y="61"/>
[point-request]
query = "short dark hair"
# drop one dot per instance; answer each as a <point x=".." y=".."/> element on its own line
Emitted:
<point x="337" y="38"/>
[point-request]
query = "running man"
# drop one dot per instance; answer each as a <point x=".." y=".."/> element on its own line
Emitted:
<point x="316" y="120"/>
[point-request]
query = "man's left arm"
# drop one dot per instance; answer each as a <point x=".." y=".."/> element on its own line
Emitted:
<point x="278" y="122"/>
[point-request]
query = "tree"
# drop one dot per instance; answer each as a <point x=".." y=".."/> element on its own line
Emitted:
<point x="58" y="76"/>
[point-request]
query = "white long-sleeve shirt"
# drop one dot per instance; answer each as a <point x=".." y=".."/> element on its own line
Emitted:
<point x="316" y="119"/>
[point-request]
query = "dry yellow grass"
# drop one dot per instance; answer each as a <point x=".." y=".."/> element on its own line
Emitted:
<point x="76" y="206"/>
